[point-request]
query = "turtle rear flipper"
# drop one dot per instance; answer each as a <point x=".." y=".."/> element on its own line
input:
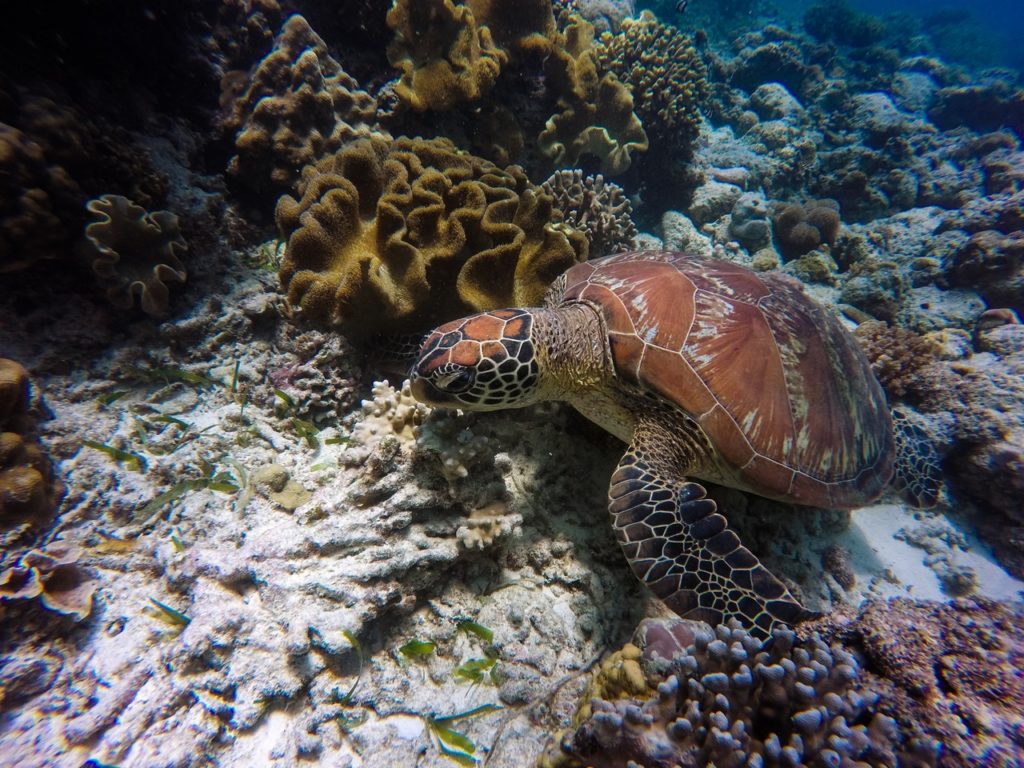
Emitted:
<point x="681" y="547"/>
<point x="918" y="473"/>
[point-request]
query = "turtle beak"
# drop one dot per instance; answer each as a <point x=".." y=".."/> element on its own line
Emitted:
<point x="419" y="387"/>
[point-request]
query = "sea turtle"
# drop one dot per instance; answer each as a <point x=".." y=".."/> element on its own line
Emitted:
<point x="706" y="369"/>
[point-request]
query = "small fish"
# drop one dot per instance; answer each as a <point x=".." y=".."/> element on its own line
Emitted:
<point x="417" y="649"/>
<point x="681" y="6"/>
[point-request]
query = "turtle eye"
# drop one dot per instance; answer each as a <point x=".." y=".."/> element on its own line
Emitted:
<point x="455" y="379"/>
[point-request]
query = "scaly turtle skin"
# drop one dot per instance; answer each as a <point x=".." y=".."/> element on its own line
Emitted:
<point x="706" y="369"/>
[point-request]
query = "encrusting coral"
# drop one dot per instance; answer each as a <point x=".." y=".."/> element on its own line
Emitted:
<point x="665" y="73"/>
<point x="27" y="486"/>
<point x="683" y="694"/>
<point x="299" y="106"/>
<point x="53" y="576"/>
<point x="800" y="229"/>
<point x="134" y="253"/>
<point x="596" y="207"/>
<point x="399" y="236"/>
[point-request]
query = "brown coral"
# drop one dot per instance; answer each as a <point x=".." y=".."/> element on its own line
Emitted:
<point x="596" y="207"/>
<point x="455" y="53"/>
<point x="596" y="116"/>
<point x="444" y="54"/>
<point x="899" y="358"/>
<point x="54" y="577"/>
<point x="134" y="253"/>
<point x="398" y="236"/>
<point x="299" y="106"/>
<point x="800" y="229"/>
<point x="27" y="488"/>
<point x="665" y="73"/>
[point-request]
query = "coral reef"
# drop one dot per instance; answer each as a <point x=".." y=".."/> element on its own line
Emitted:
<point x="947" y="671"/>
<point x="31" y="196"/>
<point x="481" y="45"/>
<point x="665" y="74"/>
<point x="899" y="358"/>
<point x="685" y="695"/>
<point x="597" y="208"/>
<point x="298" y="106"/>
<point x="398" y="236"/>
<point x="445" y="55"/>
<point x="749" y="222"/>
<point x="800" y="229"/>
<point x="52" y="576"/>
<point x="28" y="489"/>
<point x="134" y="253"/>
<point x="595" y="112"/>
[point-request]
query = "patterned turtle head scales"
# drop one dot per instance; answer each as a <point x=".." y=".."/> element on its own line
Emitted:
<point x="483" y="362"/>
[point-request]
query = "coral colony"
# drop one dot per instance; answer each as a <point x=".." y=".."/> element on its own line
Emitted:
<point x="559" y="383"/>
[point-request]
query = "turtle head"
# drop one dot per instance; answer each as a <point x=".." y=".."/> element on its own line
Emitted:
<point x="484" y="362"/>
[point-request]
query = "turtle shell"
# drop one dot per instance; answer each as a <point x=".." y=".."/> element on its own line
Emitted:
<point x="778" y="384"/>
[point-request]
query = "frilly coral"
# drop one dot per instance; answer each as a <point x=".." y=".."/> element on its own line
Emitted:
<point x="719" y="698"/>
<point x="800" y="229"/>
<point x="299" y="105"/>
<point x="27" y="488"/>
<point x="399" y="236"/>
<point x="53" y="576"/>
<point x="596" y="207"/>
<point x="134" y="253"/>
<point x="665" y="74"/>
<point x="445" y="55"/>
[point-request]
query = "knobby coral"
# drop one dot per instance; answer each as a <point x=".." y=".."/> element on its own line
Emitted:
<point x="398" y="236"/>
<point x="298" y="106"/>
<point x="54" y="577"/>
<point x="134" y="253"/>
<point x="598" y="208"/>
<point x="665" y="73"/>
<point x="27" y="487"/>
<point x="800" y="229"/>
<point x="684" y="695"/>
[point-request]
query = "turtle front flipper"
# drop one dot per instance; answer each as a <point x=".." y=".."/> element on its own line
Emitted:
<point x="681" y="547"/>
<point x="918" y="472"/>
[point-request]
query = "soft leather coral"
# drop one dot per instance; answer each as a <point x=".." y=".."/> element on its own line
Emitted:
<point x="399" y="236"/>
<point x="134" y="253"/>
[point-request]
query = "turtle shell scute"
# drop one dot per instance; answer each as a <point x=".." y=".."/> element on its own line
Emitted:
<point x="778" y="384"/>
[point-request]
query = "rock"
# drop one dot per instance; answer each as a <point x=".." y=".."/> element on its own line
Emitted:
<point x="712" y="200"/>
<point x="772" y="101"/>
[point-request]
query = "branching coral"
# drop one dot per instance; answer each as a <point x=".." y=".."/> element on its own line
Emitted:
<point x="27" y="487"/>
<point x="53" y="576"/>
<point x="800" y="229"/>
<point x="689" y="696"/>
<point x="898" y="357"/>
<point x="596" y="207"/>
<point x="134" y="253"/>
<point x="299" y="105"/>
<point x="398" y="236"/>
<point x="665" y="74"/>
